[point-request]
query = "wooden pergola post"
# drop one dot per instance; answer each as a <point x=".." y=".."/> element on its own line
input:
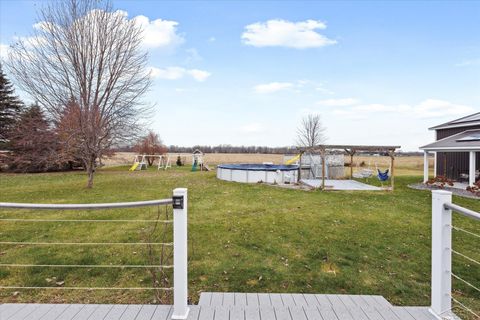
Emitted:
<point x="351" y="152"/>
<point x="391" y="153"/>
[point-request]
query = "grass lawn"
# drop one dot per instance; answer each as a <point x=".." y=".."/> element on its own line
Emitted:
<point x="250" y="238"/>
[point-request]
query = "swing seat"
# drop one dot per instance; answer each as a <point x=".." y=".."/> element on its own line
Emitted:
<point x="365" y="173"/>
<point x="383" y="176"/>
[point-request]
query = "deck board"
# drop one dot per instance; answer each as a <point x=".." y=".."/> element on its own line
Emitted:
<point x="252" y="300"/>
<point x="252" y="313"/>
<point x="7" y="313"/>
<point x="161" y="312"/>
<point x="297" y="313"/>
<point x="231" y="306"/>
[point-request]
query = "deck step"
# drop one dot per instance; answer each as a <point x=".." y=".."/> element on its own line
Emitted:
<point x="262" y="311"/>
<point x="306" y="306"/>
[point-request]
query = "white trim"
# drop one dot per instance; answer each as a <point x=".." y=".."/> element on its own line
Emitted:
<point x="451" y="126"/>
<point x="452" y="149"/>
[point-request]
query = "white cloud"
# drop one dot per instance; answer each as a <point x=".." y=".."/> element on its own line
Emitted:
<point x="175" y="73"/>
<point x="159" y="33"/>
<point x="212" y="39"/>
<point x="338" y="102"/>
<point x="199" y="75"/>
<point x="429" y="108"/>
<point x="433" y="108"/>
<point x="254" y="127"/>
<point x="299" y="35"/>
<point x="272" y="87"/>
<point x="378" y="107"/>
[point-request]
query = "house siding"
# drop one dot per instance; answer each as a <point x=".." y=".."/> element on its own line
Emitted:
<point x="456" y="162"/>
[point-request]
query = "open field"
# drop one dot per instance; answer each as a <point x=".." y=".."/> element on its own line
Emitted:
<point x="405" y="165"/>
<point x="251" y="238"/>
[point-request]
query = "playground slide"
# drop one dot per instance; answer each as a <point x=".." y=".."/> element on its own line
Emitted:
<point x="207" y="168"/>
<point x="134" y="167"/>
<point x="293" y="160"/>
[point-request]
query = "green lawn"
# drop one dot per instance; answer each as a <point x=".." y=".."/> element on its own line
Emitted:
<point x="250" y="238"/>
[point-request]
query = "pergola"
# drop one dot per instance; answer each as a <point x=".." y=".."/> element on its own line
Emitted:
<point x="351" y="150"/>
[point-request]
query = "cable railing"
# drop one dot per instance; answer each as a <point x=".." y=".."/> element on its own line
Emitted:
<point x="178" y="246"/>
<point x="443" y="301"/>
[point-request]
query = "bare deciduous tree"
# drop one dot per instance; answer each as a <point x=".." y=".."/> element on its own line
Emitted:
<point x="311" y="131"/>
<point x="151" y="144"/>
<point x="84" y="54"/>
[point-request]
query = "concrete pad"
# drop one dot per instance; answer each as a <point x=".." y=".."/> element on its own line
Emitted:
<point x="350" y="185"/>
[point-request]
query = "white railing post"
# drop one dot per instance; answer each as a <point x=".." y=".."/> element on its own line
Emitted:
<point x="425" y="166"/>
<point x="441" y="253"/>
<point x="180" y="258"/>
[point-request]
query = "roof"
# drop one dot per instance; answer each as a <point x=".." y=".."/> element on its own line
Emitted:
<point x="357" y="147"/>
<point x="468" y="140"/>
<point x="473" y="119"/>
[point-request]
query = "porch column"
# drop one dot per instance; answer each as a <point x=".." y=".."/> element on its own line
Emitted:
<point x="472" y="168"/>
<point x="435" y="164"/>
<point x="425" y="166"/>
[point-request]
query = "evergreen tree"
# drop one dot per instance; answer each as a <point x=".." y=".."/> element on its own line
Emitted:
<point x="10" y="108"/>
<point x="34" y="145"/>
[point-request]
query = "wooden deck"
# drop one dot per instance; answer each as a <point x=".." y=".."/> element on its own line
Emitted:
<point x="230" y="306"/>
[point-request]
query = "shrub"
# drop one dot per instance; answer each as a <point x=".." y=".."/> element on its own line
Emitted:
<point x="440" y="181"/>
<point x="475" y="189"/>
<point x="179" y="161"/>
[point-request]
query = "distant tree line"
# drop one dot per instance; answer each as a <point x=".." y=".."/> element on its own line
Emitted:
<point x="222" y="148"/>
<point x="227" y="148"/>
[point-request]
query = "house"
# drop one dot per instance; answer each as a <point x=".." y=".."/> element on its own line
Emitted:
<point x="456" y="149"/>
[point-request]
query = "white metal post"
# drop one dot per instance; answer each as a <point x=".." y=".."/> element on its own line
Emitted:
<point x="472" y="167"/>
<point x="180" y="272"/>
<point x="425" y="166"/>
<point x="441" y="253"/>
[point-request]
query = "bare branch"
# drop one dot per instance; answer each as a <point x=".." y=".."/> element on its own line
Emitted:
<point x="311" y="131"/>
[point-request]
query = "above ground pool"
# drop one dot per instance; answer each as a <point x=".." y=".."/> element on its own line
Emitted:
<point x="254" y="173"/>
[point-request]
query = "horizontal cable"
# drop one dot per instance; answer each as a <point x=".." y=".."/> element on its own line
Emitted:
<point x="466" y="231"/>
<point x="87" y="206"/>
<point x="466" y="308"/>
<point x="167" y="244"/>
<point x="15" y="265"/>
<point x="82" y="220"/>
<point x="88" y="288"/>
<point x="464" y="281"/>
<point x="466" y="257"/>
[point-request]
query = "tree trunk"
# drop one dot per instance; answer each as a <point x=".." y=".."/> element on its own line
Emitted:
<point x="90" y="166"/>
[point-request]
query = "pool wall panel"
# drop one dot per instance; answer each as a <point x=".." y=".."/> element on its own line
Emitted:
<point x="255" y="176"/>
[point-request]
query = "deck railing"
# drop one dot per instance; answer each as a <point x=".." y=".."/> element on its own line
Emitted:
<point x="442" y="250"/>
<point x="179" y="204"/>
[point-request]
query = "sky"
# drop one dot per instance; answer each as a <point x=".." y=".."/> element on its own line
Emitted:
<point x="246" y="72"/>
